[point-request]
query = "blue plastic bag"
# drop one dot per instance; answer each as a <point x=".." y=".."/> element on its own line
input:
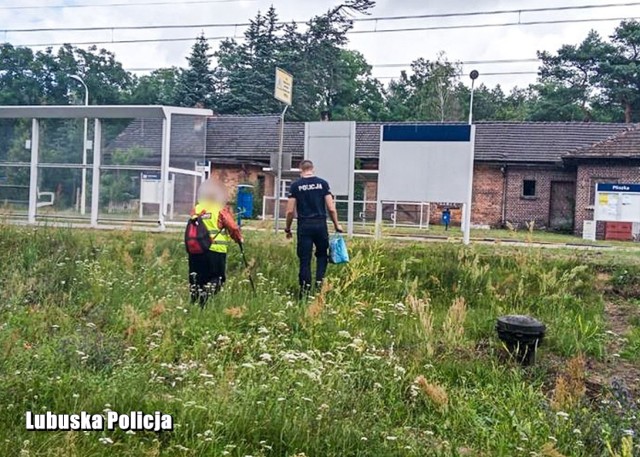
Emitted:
<point x="338" y="249"/>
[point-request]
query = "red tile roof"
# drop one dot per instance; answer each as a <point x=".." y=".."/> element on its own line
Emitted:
<point x="624" y="145"/>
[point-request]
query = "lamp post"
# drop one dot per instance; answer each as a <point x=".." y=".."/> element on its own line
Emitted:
<point x="83" y="188"/>
<point x="473" y="75"/>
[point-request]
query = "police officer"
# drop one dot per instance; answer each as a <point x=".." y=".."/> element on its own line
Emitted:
<point x="310" y="197"/>
<point x="207" y="271"/>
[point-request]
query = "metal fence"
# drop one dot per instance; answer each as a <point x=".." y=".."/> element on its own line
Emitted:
<point x="136" y="165"/>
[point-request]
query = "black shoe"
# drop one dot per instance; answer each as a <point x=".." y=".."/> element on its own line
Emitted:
<point x="305" y="291"/>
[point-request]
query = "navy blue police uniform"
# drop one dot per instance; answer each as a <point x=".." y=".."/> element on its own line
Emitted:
<point x="310" y="193"/>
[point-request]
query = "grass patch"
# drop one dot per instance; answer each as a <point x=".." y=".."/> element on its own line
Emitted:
<point x="396" y="356"/>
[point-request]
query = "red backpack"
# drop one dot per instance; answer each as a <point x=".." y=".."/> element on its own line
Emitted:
<point x="197" y="238"/>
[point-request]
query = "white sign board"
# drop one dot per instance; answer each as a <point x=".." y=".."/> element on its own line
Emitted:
<point x="331" y="148"/>
<point x="151" y="190"/>
<point x="589" y="230"/>
<point x="204" y="167"/>
<point x="617" y="202"/>
<point x="284" y="86"/>
<point x="426" y="163"/>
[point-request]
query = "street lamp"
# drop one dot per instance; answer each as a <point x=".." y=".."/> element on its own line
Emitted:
<point x="473" y="75"/>
<point x="83" y="188"/>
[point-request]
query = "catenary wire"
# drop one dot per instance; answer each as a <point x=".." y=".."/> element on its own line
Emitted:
<point x="117" y="5"/>
<point x="365" y="19"/>
<point x="359" y="32"/>
<point x="390" y="65"/>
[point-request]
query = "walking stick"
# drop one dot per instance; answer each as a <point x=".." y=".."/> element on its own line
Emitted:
<point x="246" y="264"/>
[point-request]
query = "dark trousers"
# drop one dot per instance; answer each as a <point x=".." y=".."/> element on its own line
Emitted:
<point x="310" y="234"/>
<point x="206" y="275"/>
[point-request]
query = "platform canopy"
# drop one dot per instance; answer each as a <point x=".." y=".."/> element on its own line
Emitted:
<point x="98" y="111"/>
<point x="144" y="167"/>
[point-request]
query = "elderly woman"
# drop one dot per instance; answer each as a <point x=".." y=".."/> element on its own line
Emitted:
<point x="207" y="270"/>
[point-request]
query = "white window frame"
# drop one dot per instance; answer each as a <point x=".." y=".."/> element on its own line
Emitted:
<point x="285" y="185"/>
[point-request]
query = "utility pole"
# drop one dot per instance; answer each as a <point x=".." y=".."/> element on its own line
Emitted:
<point x="278" y="184"/>
<point x="473" y="75"/>
<point x="283" y="92"/>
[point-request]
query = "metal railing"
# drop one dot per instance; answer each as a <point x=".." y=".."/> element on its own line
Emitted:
<point x="366" y="216"/>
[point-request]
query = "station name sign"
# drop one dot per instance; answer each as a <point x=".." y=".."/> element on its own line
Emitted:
<point x="631" y="188"/>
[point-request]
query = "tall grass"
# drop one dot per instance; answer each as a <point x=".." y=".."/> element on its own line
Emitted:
<point x="93" y="321"/>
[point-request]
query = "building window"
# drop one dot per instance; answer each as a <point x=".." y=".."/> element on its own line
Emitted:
<point x="529" y="188"/>
<point x="285" y="185"/>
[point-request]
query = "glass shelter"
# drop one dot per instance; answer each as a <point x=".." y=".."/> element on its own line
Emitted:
<point x="138" y="165"/>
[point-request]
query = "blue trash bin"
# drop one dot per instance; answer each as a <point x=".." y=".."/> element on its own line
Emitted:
<point x="245" y="201"/>
<point x="446" y="218"/>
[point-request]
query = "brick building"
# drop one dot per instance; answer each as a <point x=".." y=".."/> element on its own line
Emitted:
<point x="614" y="160"/>
<point x="524" y="172"/>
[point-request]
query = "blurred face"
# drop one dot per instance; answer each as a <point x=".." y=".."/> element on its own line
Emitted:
<point x="220" y="193"/>
<point x="213" y="191"/>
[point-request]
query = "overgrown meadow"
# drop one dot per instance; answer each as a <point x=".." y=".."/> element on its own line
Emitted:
<point x="396" y="356"/>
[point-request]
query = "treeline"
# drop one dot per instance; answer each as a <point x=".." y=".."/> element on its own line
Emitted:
<point x="596" y="80"/>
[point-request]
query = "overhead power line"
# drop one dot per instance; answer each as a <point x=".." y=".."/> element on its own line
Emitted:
<point x="117" y="5"/>
<point x="401" y="65"/>
<point x="497" y="12"/>
<point x="359" y="32"/>
<point x="364" y="19"/>
<point x="503" y="24"/>
<point x="493" y="73"/>
<point x="463" y="62"/>
<point x="149" y="40"/>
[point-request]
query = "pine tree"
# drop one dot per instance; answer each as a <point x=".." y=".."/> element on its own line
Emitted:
<point x="196" y="86"/>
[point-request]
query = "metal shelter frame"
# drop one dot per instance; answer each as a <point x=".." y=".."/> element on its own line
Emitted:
<point x="98" y="113"/>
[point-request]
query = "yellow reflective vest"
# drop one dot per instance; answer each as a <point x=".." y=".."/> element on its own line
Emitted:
<point x="210" y="213"/>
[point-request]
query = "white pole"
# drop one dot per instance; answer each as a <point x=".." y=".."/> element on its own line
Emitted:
<point x="83" y="189"/>
<point x="276" y="212"/>
<point x="378" y="228"/>
<point x="95" y="179"/>
<point x="395" y="213"/>
<point x="352" y="180"/>
<point x="364" y="205"/>
<point x="33" y="178"/>
<point x="466" y="208"/>
<point x="164" y="170"/>
<point x="83" y="192"/>
<point x="473" y="85"/>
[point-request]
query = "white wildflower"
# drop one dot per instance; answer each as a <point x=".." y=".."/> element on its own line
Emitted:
<point x="266" y="357"/>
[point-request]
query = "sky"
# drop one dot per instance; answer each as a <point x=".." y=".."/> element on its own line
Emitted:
<point x="461" y="44"/>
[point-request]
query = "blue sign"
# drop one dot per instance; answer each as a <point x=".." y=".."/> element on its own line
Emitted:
<point x="151" y="176"/>
<point x="629" y="188"/>
<point x="434" y="133"/>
